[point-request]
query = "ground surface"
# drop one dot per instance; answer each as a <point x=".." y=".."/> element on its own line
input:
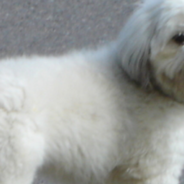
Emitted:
<point x="56" y="26"/>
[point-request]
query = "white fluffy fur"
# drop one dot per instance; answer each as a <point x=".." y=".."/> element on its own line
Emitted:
<point x="112" y="116"/>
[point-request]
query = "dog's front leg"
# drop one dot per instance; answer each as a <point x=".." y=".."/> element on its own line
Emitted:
<point x="149" y="171"/>
<point x="161" y="179"/>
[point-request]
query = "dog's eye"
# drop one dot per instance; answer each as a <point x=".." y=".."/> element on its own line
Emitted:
<point x="179" y="38"/>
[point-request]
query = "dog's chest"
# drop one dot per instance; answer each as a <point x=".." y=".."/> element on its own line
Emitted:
<point x="154" y="110"/>
<point x="159" y="112"/>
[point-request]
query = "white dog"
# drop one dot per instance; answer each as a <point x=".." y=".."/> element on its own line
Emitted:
<point x="113" y="116"/>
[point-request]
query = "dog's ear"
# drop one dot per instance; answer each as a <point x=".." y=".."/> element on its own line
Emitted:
<point x="134" y="44"/>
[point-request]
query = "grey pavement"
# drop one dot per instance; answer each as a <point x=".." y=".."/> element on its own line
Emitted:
<point x="56" y="26"/>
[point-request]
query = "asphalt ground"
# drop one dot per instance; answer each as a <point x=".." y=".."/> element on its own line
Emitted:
<point x="49" y="27"/>
<point x="56" y="26"/>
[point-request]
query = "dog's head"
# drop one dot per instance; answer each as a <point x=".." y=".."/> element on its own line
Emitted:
<point x="151" y="46"/>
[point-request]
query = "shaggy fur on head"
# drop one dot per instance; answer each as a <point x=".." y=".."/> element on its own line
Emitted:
<point x="151" y="46"/>
<point x="88" y="117"/>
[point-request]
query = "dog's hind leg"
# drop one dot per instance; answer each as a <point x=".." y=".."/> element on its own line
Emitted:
<point x="21" y="148"/>
<point x="21" y="140"/>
